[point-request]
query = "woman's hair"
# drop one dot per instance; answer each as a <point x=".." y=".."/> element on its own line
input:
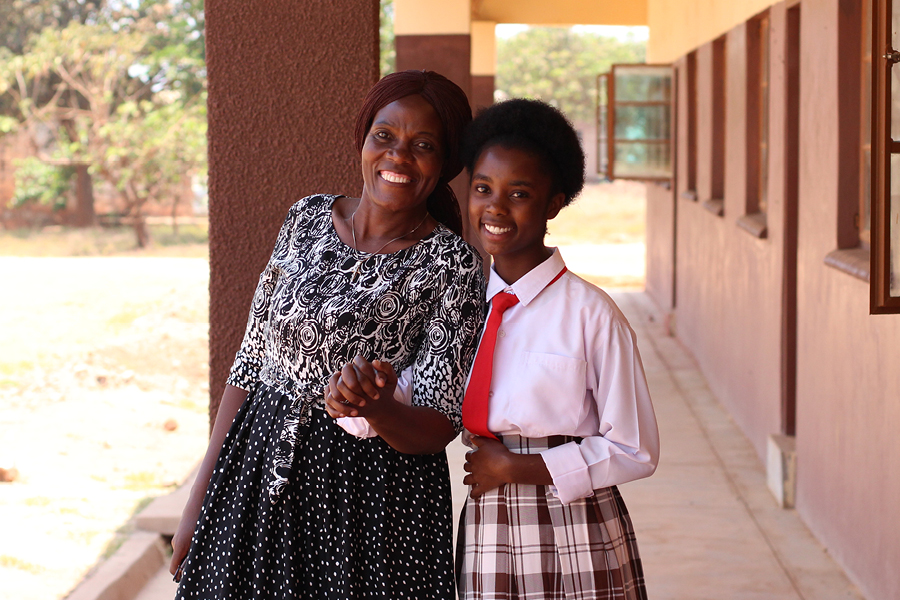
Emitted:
<point x="452" y="108"/>
<point x="534" y="127"/>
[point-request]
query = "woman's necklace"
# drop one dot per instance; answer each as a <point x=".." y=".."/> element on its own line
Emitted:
<point x="355" y="247"/>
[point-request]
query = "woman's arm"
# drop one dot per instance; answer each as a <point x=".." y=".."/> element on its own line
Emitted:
<point x="232" y="399"/>
<point x="366" y="389"/>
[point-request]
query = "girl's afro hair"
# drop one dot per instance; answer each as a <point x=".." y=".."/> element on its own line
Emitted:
<point x="535" y="127"/>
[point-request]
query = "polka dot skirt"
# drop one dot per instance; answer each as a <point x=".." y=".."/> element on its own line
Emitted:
<point x="357" y="520"/>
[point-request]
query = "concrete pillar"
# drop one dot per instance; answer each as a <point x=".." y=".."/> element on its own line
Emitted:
<point x="285" y="82"/>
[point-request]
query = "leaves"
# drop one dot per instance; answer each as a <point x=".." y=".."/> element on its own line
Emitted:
<point x="560" y="66"/>
<point x="119" y="86"/>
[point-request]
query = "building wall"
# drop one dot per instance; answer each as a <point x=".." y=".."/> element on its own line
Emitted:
<point x="679" y="26"/>
<point x="285" y="82"/>
<point x="848" y="371"/>
<point x="729" y="287"/>
<point x="660" y="231"/>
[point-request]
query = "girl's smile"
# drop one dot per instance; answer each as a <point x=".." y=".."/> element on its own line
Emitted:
<point x="510" y="201"/>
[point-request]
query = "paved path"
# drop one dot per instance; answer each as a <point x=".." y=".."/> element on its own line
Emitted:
<point x="707" y="526"/>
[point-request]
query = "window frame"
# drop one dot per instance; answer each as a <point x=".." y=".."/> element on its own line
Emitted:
<point x="755" y="217"/>
<point x="883" y="148"/>
<point x="612" y="104"/>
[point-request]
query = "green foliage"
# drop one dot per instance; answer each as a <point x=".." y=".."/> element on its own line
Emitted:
<point x="121" y="86"/>
<point x="560" y="66"/>
<point x="38" y="182"/>
<point x="386" y="31"/>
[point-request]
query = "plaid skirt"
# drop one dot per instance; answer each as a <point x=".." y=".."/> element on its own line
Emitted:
<point x="519" y="542"/>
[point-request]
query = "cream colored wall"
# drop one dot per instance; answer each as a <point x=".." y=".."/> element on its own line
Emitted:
<point x="416" y="17"/>
<point x="561" y="12"/>
<point x="679" y="26"/>
<point x="484" y="48"/>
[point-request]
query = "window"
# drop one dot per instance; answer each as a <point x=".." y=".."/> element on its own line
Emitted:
<point x="691" y="125"/>
<point x="863" y="218"/>
<point x="638" y="114"/>
<point x="602" y="125"/>
<point x="885" y="152"/>
<point x="716" y="203"/>
<point x="757" y="126"/>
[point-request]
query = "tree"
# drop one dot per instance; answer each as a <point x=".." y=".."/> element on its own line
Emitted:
<point x="560" y="66"/>
<point x="386" y="35"/>
<point x="124" y="96"/>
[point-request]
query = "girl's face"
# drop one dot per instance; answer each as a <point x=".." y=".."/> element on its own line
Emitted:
<point x="402" y="156"/>
<point x="510" y="202"/>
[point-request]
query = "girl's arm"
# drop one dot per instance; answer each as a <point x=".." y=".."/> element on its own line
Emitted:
<point x="491" y="465"/>
<point x="232" y="399"/>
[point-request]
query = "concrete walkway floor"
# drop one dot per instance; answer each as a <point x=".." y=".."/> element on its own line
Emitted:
<point x="707" y="525"/>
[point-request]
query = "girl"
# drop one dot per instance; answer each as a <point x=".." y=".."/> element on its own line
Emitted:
<point x="557" y="408"/>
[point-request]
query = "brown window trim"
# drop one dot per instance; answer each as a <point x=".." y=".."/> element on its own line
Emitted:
<point x="756" y="224"/>
<point x="852" y="261"/>
<point x="715" y="206"/>
<point x="883" y="148"/>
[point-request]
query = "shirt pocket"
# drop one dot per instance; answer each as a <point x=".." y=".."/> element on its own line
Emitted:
<point x="549" y="399"/>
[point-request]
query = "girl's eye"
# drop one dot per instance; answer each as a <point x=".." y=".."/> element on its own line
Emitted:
<point x="519" y="194"/>
<point x="482" y="189"/>
<point x="426" y="146"/>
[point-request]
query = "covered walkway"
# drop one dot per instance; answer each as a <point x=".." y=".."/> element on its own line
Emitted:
<point x="707" y="525"/>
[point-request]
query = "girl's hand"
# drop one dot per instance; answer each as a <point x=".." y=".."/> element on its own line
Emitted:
<point x="487" y="465"/>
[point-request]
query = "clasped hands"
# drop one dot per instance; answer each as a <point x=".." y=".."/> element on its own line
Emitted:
<point x="366" y="389"/>
<point x="360" y="389"/>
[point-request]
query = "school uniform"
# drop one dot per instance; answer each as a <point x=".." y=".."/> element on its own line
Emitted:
<point x="567" y="382"/>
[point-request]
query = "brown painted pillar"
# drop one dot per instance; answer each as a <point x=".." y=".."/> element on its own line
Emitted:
<point x="285" y="82"/>
<point x="435" y="36"/>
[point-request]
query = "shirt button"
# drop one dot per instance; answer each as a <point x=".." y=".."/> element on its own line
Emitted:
<point x="490" y="394"/>
<point x="502" y="333"/>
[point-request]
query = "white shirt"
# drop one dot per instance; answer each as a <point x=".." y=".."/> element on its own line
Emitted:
<point x="566" y="363"/>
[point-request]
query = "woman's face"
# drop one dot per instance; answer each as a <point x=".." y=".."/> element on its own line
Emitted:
<point x="403" y="154"/>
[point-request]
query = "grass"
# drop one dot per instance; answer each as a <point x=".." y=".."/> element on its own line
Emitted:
<point x="190" y="241"/>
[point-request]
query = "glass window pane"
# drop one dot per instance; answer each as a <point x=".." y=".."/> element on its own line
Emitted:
<point x="893" y="229"/>
<point x="895" y="102"/>
<point x="602" y="126"/>
<point x="643" y="84"/>
<point x="643" y="160"/>
<point x="642" y="122"/>
<point x="895" y="25"/>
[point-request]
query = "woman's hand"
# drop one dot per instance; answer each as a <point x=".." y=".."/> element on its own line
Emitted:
<point x="181" y="543"/>
<point x="487" y="465"/>
<point x="361" y="388"/>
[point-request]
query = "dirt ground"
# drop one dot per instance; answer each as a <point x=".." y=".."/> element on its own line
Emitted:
<point x="103" y="395"/>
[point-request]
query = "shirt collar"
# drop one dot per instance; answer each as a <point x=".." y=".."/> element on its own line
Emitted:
<point x="532" y="283"/>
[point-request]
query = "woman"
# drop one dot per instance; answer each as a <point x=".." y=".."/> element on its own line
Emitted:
<point x="295" y="507"/>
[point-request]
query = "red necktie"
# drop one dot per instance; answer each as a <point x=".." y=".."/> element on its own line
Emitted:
<point x="475" y="403"/>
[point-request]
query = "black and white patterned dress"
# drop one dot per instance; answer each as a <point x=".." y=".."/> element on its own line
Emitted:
<point x="296" y="507"/>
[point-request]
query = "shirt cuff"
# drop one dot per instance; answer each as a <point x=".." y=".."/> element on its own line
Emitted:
<point x="357" y="426"/>
<point x="571" y="478"/>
